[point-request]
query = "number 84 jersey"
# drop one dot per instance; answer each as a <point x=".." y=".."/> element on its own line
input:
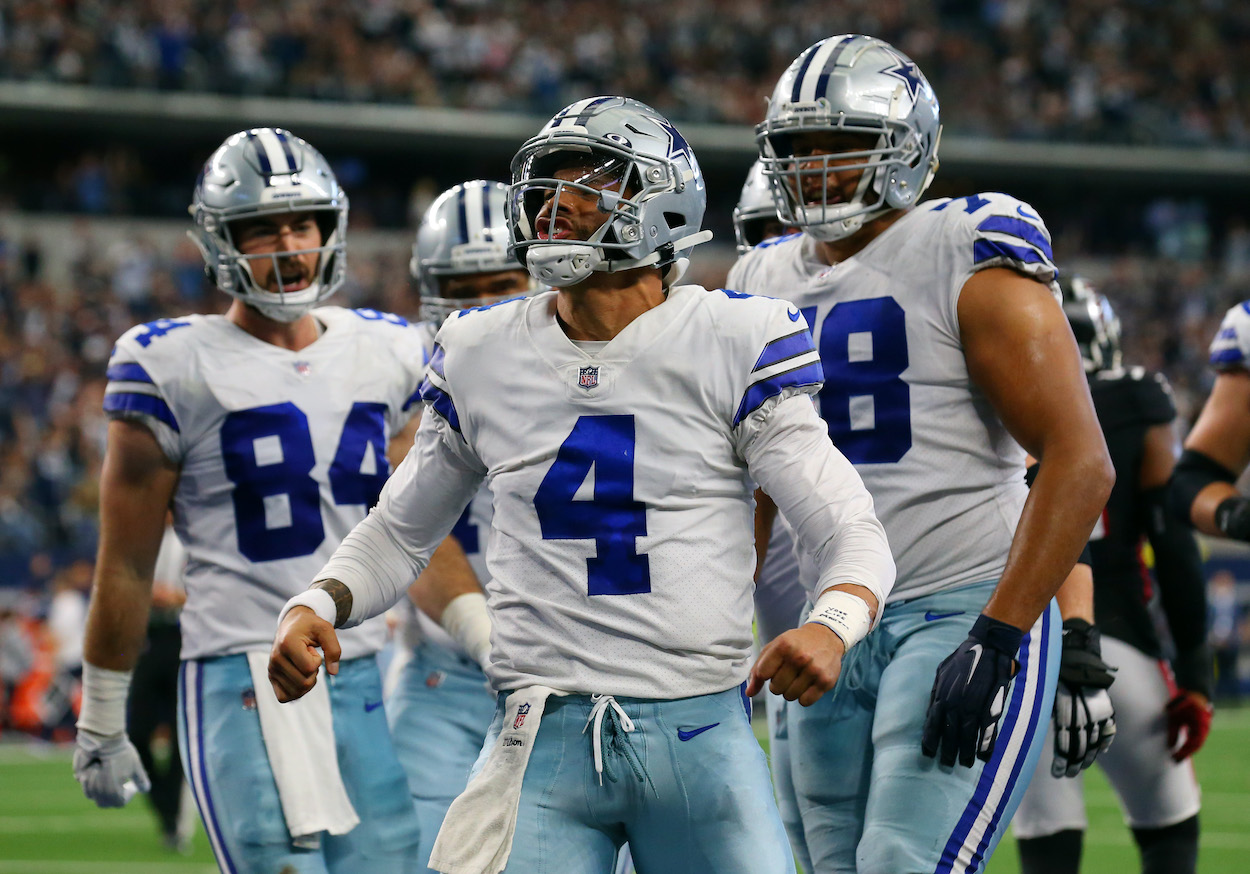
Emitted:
<point x="280" y="454"/>
<point x="945" y="476"/>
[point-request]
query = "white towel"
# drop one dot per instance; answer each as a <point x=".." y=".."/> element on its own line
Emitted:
<point x="299" y="739"/>
<point x="477" y="831"/>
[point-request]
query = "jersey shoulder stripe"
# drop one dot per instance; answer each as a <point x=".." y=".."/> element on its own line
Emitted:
<point x="121" y="403"/>
<point x="1230" y="350"/>
<point x="809" y="375"/>
<point x="785" y="348"/>
<point x="1004" y="231"/>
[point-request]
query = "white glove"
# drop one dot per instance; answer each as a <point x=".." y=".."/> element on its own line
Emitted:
<point x="108" y="768"/>
<point x="1084" y="728"/>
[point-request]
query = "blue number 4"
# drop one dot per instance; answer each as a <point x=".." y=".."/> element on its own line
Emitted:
<point x="612" y="518"/>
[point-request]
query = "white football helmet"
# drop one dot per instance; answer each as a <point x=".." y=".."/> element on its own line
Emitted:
<point x="755" y="210"/>
<point x="264" y="171"/>
<point x="463" y="233"/>
<point x="643" y="173"/>
<point x="859" y="85"/>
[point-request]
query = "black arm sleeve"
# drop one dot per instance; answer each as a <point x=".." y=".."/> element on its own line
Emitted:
<point x="1194" y="471"/>
<point x="1182" y="587"/>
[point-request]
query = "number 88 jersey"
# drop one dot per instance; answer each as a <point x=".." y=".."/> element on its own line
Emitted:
<point x="280" y="454"/>
<point x="945" y="476"/>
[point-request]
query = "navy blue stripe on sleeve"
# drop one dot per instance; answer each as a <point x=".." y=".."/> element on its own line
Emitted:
<point x="132" y="402"/>
<point x="436" y="360"/>
<point x="441" y="402"/>
<point x="127" y="372"/>
<point x="785" y="347"/>
<point x="412" y="399"/>
<point x="1019" y="228"/>
<point x="1227" y="356"/>
<point x="984" y="250"/>
<point x="758" y="393"/>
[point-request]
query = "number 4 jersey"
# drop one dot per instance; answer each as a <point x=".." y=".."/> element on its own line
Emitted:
<point x="945" y="476"/>
<point x="620" y="554"/>
<point x="280" y="453"/>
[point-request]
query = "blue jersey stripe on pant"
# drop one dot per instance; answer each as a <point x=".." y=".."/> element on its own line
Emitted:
<point x="229" y="773"/>
<point x="858" y="771"/>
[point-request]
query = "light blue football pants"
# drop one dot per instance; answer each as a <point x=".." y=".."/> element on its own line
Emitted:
<point x="223" y="755"/>
<point x="870" y="801"/>
<point x="696" y="798"/>
<point x="439" y="712"/>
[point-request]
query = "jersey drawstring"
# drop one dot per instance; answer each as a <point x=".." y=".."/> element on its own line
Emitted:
<point x="608" y="718"/>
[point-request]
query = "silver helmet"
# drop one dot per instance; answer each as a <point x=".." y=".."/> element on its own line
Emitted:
<point x="463" y="233"/>
<point x="1094" y="324"/>
<point x="643" y="173"/>
<point x="755" y="210"/>
<point x="850" y="84"/>
<point x="266" y="171"/>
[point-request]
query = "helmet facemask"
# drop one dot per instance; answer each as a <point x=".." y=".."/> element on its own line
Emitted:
<point x="636" y="169"/>
<point x="890" y="146"/>
<point x="268" y="172"/>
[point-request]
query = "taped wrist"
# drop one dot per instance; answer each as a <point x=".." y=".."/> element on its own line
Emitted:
<point x="467" y="620"/>
<point x="1232" y="517"/>
<point x="104" y="694"/>
<point x="1081" y="663"/>
<point x="1194" y="471"/>
<point x="317" y="600"/>
<point x="844" y="614"/>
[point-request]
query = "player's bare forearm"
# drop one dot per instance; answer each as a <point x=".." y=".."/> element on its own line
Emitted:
<point x="136" y="485"/>
<point x="1021" y="353"/>
<point x="765" y="518"/>
<point x="1076" y="596"/>
<point x="448" y="576"/>
<point x="342" y="599"/>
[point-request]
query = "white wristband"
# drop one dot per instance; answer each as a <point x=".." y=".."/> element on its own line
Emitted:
<point x="104" y="694"/>
<point x="317" y="600"/>
<point x="468" y="622"/>
<point x="844" y="614"/>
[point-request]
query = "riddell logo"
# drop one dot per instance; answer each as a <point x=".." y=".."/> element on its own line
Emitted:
<point x="521" y="713"/>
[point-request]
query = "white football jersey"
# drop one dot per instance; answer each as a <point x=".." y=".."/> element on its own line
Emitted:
<point x="280" y="453"/>
<point x="1230" y="350"/>
<point x="946" y="477"/>
<point x="471" y="530"/>
<point x="620" y="554"/>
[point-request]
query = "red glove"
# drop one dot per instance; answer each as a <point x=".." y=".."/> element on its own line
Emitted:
<point x="1189" y="722"/>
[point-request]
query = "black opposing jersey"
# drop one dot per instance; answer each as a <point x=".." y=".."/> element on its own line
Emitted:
<point x="1128" y="403"/>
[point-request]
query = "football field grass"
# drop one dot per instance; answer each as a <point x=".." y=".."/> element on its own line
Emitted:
<point x="47" y="827"/>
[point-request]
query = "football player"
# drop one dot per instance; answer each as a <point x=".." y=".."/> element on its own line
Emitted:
<point x="1159" y="723"/>
<point x="441" y="700"/>
<point x="267" y="431"/>
<point x="620" y="430"/>
<point x="755" y="217"/>
<point x="946" y="356"/>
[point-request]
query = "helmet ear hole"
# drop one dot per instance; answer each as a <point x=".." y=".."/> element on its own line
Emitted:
<point x="674" y="220"/>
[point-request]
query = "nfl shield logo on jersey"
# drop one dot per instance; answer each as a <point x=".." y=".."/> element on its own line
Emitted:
<point x="521" y="713"/>
<point x="303" y="368"/>
<point x="588" y="378"/>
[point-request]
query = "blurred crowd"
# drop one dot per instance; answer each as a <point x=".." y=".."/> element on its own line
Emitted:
<point x="1136" y="71"/>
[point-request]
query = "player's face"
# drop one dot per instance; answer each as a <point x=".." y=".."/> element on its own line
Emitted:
<point x="486" y="286"/>
<point x="817" y="147"/>
<point x="274" y="235"/>
<point x="576" y="213"/>
<point x="757" y="231"/>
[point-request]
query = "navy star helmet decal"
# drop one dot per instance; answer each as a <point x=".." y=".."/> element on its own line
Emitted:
<point x="908" y="73"/>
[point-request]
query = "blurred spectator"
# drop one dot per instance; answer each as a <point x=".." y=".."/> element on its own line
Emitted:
<point x="1114" y="71"/>
<point x="1225" y="635"/>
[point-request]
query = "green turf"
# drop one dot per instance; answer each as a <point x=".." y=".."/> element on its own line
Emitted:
<point x="47" y="827"/>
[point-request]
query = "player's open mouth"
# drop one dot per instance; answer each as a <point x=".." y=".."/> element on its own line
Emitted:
<point x="560" y="229"/>
<point x="294" y="283"/>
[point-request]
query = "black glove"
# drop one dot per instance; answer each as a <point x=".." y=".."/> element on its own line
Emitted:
<point x="969" y="693"/>
<point x="1084" y="718"/>
<point x="1232" y="516"/>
